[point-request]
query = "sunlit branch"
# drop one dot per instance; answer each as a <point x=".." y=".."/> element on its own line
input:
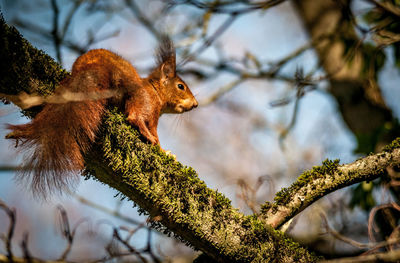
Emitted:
<point x="322" y="180"/>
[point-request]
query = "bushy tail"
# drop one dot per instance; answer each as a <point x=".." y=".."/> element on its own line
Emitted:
<point x="54" y="144"/>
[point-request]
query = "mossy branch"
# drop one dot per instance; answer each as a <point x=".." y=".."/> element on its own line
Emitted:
<point x="180" y="203"/>
<point x="324" y="179"/>
<point x="25" y="69"/>
<point x="171" y="193"/>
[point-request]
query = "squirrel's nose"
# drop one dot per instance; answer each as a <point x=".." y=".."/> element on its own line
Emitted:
<point x="195" y="104"/>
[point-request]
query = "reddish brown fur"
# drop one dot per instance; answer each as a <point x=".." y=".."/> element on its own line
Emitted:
<point x="61" y="133"/>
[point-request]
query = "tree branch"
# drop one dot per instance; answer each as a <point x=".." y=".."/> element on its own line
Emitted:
<point x="321" y="180"/>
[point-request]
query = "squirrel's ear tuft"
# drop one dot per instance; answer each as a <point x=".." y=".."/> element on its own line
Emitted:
<point x="167" y="71"/>
<point x="166" y="53"/>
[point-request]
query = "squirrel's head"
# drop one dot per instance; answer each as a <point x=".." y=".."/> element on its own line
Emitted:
<point x="177" y="95"/>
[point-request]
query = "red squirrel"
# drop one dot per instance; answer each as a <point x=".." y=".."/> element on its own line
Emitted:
<point x="58" y="137"/>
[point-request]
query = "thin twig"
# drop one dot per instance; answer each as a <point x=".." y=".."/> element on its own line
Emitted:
<point x="208" y="41"/>
<point x="54" y="32"/>
<point x="24" y="245"/>
<point x="223" y="8"/>
<point x="147" y="23"/>
<point x="128" y="246"/>
<point x="371" y="218"/>
<point x="11" y="228"/>
<point x="106" y="210"/>
<point x="389" y="256"/>
<point x="70" y="15"/>
<point x="66" y="232"/>
<point x="371" y="245"/>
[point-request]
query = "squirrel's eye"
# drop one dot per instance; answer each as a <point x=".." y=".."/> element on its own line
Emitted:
<point x="180" y="86"/>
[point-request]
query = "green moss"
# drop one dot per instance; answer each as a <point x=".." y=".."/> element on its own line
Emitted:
<point x="25" y="68"/>
<point x="268" y="206"/>
<point x="395" y="144"/>
<point x="295" y="248"/>
<point x="327" y="167"/>
<point x="288" y="249"/>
